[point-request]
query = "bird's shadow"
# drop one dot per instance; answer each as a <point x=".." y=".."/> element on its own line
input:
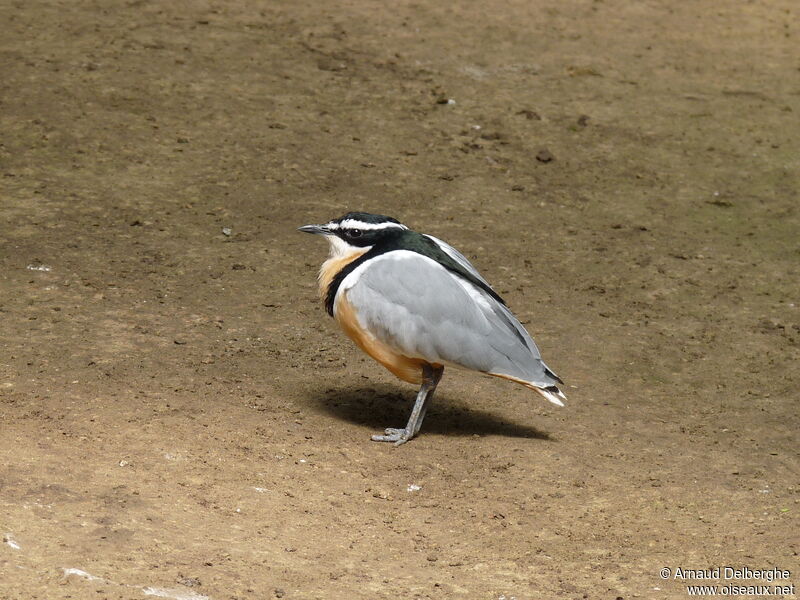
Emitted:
<point x="379" y="406"/>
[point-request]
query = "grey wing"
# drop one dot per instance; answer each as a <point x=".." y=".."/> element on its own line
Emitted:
<point x="501" y="311"/>
<point x="422" y="310"/>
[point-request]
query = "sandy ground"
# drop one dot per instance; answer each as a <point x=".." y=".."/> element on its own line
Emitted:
<point x="181" y="419"/>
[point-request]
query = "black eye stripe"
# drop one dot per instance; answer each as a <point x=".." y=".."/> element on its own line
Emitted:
<point x="355" y="233"/>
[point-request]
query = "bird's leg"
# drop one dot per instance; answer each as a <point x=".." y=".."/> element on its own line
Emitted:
<point x="430" y="379"/>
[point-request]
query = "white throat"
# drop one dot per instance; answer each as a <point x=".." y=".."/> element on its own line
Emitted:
<point x="341" y="249"/>
<point x="341" y="255"/>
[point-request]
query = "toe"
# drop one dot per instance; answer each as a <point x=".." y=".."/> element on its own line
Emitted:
<point x="392" y="435"/>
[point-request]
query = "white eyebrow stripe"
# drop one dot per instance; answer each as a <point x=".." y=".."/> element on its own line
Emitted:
<point x="356" y="224"/>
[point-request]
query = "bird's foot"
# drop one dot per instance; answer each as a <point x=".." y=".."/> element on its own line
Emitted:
<point x="398" y="436"/>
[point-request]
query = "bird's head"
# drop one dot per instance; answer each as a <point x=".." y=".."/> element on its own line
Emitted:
<point x="356" y="232"/>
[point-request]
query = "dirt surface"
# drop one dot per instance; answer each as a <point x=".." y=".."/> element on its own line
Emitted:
<point x="181" y="419"/>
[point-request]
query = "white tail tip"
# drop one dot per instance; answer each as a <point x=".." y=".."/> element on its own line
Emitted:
<point x="554" y="397"/>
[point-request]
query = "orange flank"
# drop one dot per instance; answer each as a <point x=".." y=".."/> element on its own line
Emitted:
<point x="405" y="368"/>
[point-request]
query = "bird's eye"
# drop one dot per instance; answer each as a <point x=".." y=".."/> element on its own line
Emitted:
<point x="356" y="233"/>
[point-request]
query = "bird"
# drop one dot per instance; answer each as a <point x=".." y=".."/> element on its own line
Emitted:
<point x="415" y="304"/>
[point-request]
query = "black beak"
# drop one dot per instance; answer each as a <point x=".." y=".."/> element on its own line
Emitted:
<point x="319" y="229"/>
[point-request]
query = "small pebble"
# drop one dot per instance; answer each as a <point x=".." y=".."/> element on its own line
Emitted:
<point x="545" y="156"/>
